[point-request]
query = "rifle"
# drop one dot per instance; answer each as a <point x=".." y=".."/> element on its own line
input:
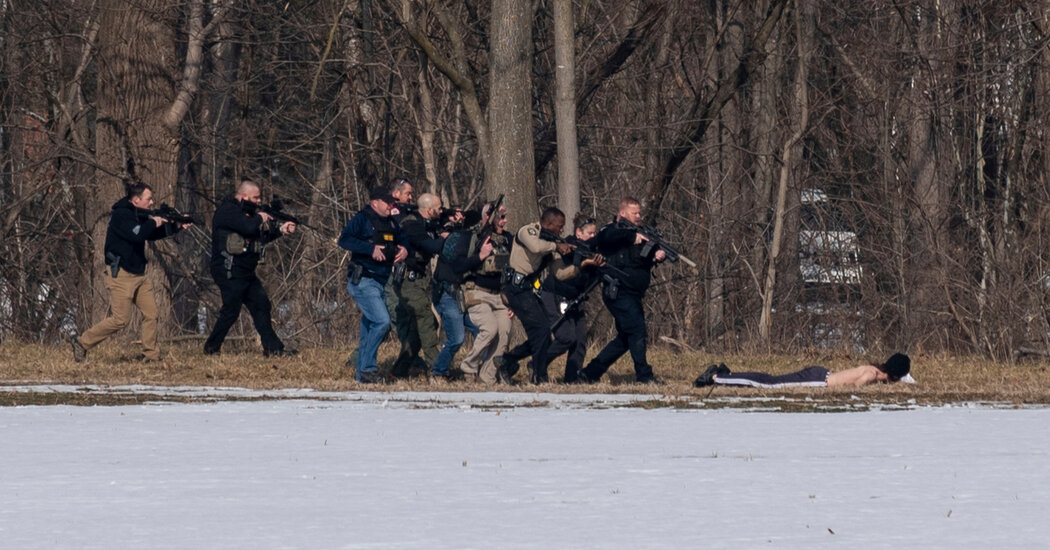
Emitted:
<point x="490" y="224"/>
<point x="656" y="240"/>
<point x="276" y="210"/>
<point x="577" y="302"/>
<point x="173" y="215"/>
<point x="608" y="273"/>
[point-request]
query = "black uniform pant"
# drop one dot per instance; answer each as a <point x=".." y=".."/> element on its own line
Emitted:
<point x="528" y="308"/>
<point x="571" y="336"/>
<point x="249" y="292"/>
<point x="631" y="336"/>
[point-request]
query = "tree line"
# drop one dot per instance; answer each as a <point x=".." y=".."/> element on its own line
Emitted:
<point x="858" y="175"/>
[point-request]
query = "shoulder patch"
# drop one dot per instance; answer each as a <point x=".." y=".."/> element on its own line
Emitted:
<point x="136" y="229"/>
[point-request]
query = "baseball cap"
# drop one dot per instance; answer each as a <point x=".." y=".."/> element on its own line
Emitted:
<point x="383" y="194"/>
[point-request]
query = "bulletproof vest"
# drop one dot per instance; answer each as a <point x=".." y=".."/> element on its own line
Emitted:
<point x="500" y="257"/>
<point x="383" y="235"/>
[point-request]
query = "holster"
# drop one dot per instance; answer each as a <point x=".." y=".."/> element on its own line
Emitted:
<point x="461" y="298"/>
<point x="356" y="272"/>
<point x="397" y="273"/>
<point x="612" y="287"/>
<point x="113" y="261"/>
<point x="514" y="278"/>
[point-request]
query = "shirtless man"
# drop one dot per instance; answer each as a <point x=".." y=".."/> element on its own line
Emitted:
<point x="896" y="368"/>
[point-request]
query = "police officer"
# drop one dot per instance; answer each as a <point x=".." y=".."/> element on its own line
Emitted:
<point x="485" y="307"/>
<point x="376" y="243"/>
<point x="418" y="331"/>
<point x="130" y="225"/>
<point x="239" y="233"/>
<point x="536" y="250"/>
<point x="622" y="245"/>
<point x="400" y="318"/>
<point x="571" y="335"/>
<point x="460" y="254"/>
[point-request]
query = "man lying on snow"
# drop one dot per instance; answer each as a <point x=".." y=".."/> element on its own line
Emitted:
<point x="895" y="369"/>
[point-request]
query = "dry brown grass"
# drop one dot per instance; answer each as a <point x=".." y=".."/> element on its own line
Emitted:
<point x="942" y="379"/>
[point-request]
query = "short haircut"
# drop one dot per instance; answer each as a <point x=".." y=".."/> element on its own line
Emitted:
<point x="245" y="185"/>
<point x="398" y="184"/>
<point x="550" y="214"/>
<point x="628" y="201"/>
<point x="137" y="188"/>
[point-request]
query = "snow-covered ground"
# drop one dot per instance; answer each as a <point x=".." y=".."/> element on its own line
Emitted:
<point x="372" y="470"/>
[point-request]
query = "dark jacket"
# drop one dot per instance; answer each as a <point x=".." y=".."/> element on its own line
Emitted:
<point x="232" y="216"/>
<point x="358" y="237"/>
<point x="616" y="243"/>
<point x="129" y="229"/>
<point x="571" y="288"/>
<point x="456" y="258"/>
<point x="423" y="238"/>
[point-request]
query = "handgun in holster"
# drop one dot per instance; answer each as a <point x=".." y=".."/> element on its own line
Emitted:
<point x="356" y="272"/>
<point x="612" y="287"/>
<point x="113" y="261"/>
<point x="397" y="273"/>
<point x="461" y="298"/>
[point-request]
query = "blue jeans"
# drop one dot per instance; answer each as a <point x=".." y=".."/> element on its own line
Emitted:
<point x="375" y="322"/>
<point x="452" y="321"/>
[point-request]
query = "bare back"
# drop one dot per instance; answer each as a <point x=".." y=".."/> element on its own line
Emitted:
<point x="857" y="376"/>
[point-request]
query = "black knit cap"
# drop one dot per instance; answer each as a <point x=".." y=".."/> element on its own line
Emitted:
<point x="897" y="366"/>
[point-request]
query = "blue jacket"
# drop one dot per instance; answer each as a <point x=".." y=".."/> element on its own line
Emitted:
<point x="357" y="237"/>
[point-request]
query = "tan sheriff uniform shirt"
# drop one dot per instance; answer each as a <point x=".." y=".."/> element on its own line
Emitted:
<point x="529" y="250"/>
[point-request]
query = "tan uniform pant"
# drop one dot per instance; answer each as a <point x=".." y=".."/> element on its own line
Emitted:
<point x="493" y="321"/>
<point x="125" y="290"/>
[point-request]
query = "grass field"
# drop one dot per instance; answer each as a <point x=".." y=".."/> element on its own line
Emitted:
<point x="941" y="379"/>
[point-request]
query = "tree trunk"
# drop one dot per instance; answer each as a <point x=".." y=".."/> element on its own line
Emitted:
<point x="565" y="111"/>
<point x="510" y="111"/>
<point x="791" y="155"/>
<point x="136" y="49"/>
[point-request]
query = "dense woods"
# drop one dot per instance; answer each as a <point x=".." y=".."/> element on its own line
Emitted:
<point x="855" y="175"/>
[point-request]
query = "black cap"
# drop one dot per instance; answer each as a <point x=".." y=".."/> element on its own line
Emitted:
<point x="383" y="194"/>
<point x="897" y="366"/>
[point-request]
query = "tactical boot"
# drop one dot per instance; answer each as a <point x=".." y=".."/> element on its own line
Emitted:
<point x="79" y="352"/>
<point x="505" y="371"/>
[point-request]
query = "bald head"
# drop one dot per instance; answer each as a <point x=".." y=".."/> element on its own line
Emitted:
<point x="429" y="206"/>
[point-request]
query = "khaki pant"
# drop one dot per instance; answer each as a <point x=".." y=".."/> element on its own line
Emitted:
<point x="124" y="290"/>
<point x="487" y="311"/>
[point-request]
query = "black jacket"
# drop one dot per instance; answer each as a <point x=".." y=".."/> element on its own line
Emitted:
<point x="129" y="229"/>
<point x="233" y="217"/>
<point x="571" y="288"/>
<point x="616" y="243"/>
<point x="423" y="240"/>
<point x="456" y="258"/>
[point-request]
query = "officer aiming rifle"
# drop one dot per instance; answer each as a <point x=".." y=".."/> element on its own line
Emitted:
<point x="173" y="215"/>
<point x="655" y="239"/>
